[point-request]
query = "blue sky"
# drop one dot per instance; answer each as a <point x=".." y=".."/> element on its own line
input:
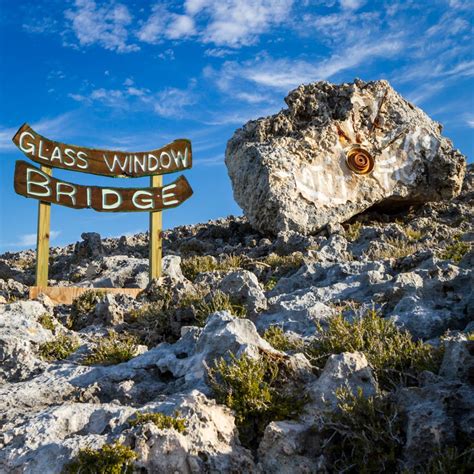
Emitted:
<point x="134" y="75"/>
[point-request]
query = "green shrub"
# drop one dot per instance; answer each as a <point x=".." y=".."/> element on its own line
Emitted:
<point x="275" y="336"/>
<point x="151" y="324"/>
<point x="393" y="355"/>
<point x="82" y="306"/>
<point x="254" y="390"/>
<point x="160" y="420"/>
<point x="270" y="284"/>
<point x="364" y="434"/>
<point x="58" y="349"/>
<point x="284" y="263"/>
<point x="193" y="266"/>
<point x="110" y="459"/>
<point x="399" y="248"/>
<point x="353" y="231"/>
<point x="413" y="234"/>
<point x="113" y="349"/>
<point x="218" y="302"/>
<point x="450" y="460"/>
<point x="455" y="251"/>
<point x="47" y="321"/>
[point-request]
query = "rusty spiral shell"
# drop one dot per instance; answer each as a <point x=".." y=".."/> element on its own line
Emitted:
<point x="359" y="161"/>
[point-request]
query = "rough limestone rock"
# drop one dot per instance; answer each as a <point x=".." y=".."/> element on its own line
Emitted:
<point x="20" y="333"/>
<point x="243" y="287"/>
<point x="289" y="447"/>
<point x="210" y="443"/>
<point x="436" y="416"/>
<point x="349" y="369"/>
<point x="90" y="247"/>
<point x="289" y="171"/>
<point x="458" y="360"/>
<point x="45" y="443"/>
<point x="298" y="312"/>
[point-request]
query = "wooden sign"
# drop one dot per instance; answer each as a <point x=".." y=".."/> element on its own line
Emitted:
<point x="175" y="156"/>
<point x="39" y="184"/>
<point x="31" y="182"/>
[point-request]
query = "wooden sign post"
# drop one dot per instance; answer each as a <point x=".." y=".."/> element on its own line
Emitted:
<point x="42" y="238"/>
<point x="32" y="182"/>
<point x="155" y="241"/>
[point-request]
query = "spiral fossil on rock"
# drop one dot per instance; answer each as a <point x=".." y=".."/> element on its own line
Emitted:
<point x="359" y="161"/>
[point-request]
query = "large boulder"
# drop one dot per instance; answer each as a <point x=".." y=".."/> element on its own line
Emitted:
<point x="336" y="151"/>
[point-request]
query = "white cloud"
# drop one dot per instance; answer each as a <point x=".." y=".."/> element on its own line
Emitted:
<point x="164" y="24"/>
<point x="285" y="74"/>
<point x="172" y="102"/>
<point x="351" y="4"/>
<point x="113" y="98"/>
<point x="27" y="240"/>
<point x="106" y="25"/>
<point x="232" y="23"/>
<point x="217" y="160"/>
<point x="218" y="52"/>
<point x="469" y="120"/>
<point x="236" y="23"/>
<point x="55" y="126"/>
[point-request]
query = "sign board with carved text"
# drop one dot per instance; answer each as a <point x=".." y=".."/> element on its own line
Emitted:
<point x="38" y="183"/>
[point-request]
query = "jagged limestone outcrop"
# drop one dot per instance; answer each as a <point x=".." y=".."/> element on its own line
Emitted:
<point x="335" y="152"/>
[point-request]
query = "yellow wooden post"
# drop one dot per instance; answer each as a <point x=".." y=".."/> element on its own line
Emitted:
<point x="42" y="238"/>
<point x="155" y="242"/>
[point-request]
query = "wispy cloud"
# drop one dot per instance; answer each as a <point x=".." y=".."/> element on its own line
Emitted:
<point x="217" y="160"/>
<point x="28" y="240"/>
<point x="284" y="74"/>
<point x="169" y="102"/>
<point x="163" y="24"/>
<point x="107" y="25"/>
<point x="172" y="102"/>
<point x="231" y="23"/>
<point x="54" y="126"/>
<point x="236" y="23"/>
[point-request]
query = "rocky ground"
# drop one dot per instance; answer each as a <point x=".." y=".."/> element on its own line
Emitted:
<point x="285" y="354"/>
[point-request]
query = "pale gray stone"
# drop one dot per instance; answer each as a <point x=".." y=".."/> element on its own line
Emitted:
<point x="243" y="287"/>
<point x="347" y="370"/>
<point x="289" y="171"/>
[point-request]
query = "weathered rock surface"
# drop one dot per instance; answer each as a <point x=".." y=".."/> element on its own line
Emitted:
<point x="243" y="287"/>
<point x="289" y="171"/>
<point x="20" y="333"/>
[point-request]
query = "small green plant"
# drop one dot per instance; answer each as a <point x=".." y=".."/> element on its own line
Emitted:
<point x="152" y="324"/>
<point x="47" y="321"/>
<point x="455" y="251"/>
<point x="271" y="283"/>
<point x="218" y="302"/>
<point x="398" y="249"/>
<point x="113" y="349"/>
<point x="253" y="389"/>
<point x="109" y="459"/>
<point x="365" y="434"/>
<point x="162" y="421"/>
<point x="82" y="306"/>
<point x="393" y="355"/>
<point x="413" y="234"/>
<point x="470" y="336"/>
<point x="450" y="460"/>
<point x="284" y="263"/>
<point x="353" y="231"/>
<point x="275" y="336"/>
<point x="193" y="266"/>
<point x="59" y="348"/>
